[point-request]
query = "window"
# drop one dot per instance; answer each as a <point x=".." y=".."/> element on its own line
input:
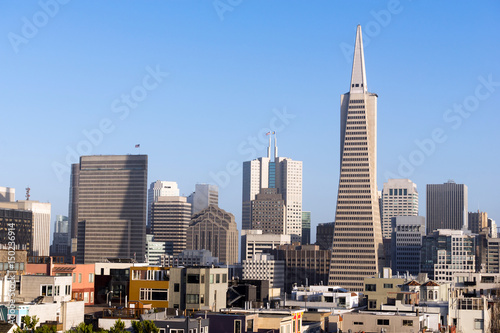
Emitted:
<point x="173" y="330"/>
<point x="149" y="294"/>
<point x="237" y="326"/>
<point x="202" y="278"/>
<point x="193" y="278"/>
<point x="56" y="290"/>
<point x="371" y="287"/>
<point x="193" y="299"/>
<point x="217" y="278"/>
<point x="211" y="278"/>
<point x="388" y="285"/>
<point x="372" y="304"/>
<point x="74" y="277"/>
<point x="407" y="322"/>
<point x="224" y="278"/>
<point x="79" y="277"/>
<point x="177" y="287"/>
<point x="384" y="322"/>
<point x="91" y="297"/>
<point x="202" y="299"/>
<point x="68" y="290"/>
<point x="478" y="324"/>
<point x="358" y="323"/>
<point x="91" y="277"/>
<point x="162" y="330"/>
<point x="86" y="297"/>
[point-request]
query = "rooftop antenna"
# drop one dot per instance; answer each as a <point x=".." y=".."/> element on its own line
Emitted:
<point x="28" y="193"/>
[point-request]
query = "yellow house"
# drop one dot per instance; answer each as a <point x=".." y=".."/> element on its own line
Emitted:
<point x="149" y="285"/>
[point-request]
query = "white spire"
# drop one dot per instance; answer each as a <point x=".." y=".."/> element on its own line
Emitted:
<point x="269" y="147"/>
<point x="275" y="147"/>
<point x="358" y="78"/>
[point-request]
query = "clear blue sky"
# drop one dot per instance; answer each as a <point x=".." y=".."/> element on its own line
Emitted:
<point x="231" y="66"/>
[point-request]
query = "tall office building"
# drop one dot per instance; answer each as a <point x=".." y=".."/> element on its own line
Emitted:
<point x="306" y="228"/>
<point x="477" y="221"/>
<point x="170" y="217"/>
<point x="109" y="192"/>
<point x="281" y="173"/>
<point x="61" y="241"/>
<point x="445" y="252"/>
<point x="399" y="198"/>
<point x="23" y="222"/>
<point x="215" y="230"/>
<point x="203" y="196"/>
<point x="446" y="206"/>
<point x="324" y="235"/>
<point x="269" y="212"/>
<point x="406" y="243"/>
<point x="357" y="250"/>
<point x="160" y="188"/>
<point x="40" y="245"/>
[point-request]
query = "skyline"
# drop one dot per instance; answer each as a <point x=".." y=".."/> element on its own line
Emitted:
<point x="230" y="78"/>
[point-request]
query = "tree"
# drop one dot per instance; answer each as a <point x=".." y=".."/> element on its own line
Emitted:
<point x="82" y="328"/>
<point x="30" y="323"/>
<point x="118" y="327"/>
<point x="146" y="326"/>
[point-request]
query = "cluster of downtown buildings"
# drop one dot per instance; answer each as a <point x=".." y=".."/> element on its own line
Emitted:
<point x="132" y="249"/>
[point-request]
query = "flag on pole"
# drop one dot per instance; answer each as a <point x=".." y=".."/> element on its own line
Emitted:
<point x="268" y="133"/>
<point x="137" y="146"/>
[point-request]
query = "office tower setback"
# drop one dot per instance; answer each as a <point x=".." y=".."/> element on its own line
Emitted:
<point x="446" y="206"/>
<point x="477" y="221"/>
<point x="306" y="228"/>
<point x="406" y="243"/>
<point x="268" y="212"/>
<point x="109" y="192"/>
<point x="203" y="196"/>
<point x="170" y="217"/>
<point x="40" y="245"/>
<point x="154" y="251"/>
<point x="399" y="198"/>
<point x="445" y="252"/>
<point x="281" y="173"/>
<point x="160" y="188"/>
<point x="357" y="250"/>
<point x="215" y="230"/>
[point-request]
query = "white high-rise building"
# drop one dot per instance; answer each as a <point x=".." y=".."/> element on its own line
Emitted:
<point x="254" y="242"/>
<point x="160" y="188"/>
<point x="203" y="196"/>
<point x="282" y="173"/>
<point x="399" y="198"/>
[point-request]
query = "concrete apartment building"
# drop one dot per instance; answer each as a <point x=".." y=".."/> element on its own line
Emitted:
<point x="399" y="198"/>
<point x="108" y="206"/>
<point x="170" y="218"/>
<point x="447" y="206"/>
<point x="198" y="288"/>
<point x="150" y="285"/>
<point x="357" y="250"/>
<point x="215" y="230"/>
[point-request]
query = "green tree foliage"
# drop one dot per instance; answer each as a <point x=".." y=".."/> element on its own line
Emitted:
<point x="146" y="326"/>
<point x="82" y="328"/>
<point x="118" y="327"/>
